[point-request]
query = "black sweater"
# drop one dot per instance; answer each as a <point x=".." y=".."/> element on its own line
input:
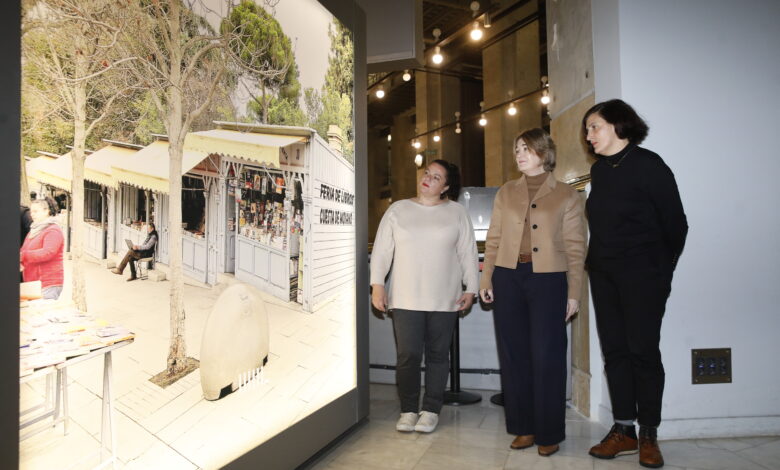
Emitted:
<point x="635" y="208"/>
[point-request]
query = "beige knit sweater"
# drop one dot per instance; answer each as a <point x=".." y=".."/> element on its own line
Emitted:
<point x="432" y="252"/>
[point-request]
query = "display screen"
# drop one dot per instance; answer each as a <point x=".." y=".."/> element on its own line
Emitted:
<point x="183" y="330"/>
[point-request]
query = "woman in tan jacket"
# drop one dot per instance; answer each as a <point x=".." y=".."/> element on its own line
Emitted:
<point x="534" y="256"/>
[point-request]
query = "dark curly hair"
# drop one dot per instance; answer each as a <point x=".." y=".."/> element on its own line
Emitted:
<point x="627" y="123"/>
<point x="453" y="179"/>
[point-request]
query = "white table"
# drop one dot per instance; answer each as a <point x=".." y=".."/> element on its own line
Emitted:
<point x="107" y="428"/>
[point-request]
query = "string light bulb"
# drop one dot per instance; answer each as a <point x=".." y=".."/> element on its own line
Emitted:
<point x="416" y="144"/>
<point x="476" y="32"/>
<point x="482" y="120"/>
<point x="437" y="58"/>
<point x="418" y="160"/>
<point x="380" y="93"/>
<point x="406" y="76"/>
<point x="436" y="137"/>
<point x="545" y="97"/>
<point x="389" y="137"/>
<point x="457" y="128"/>
<point x="512" y="110"/>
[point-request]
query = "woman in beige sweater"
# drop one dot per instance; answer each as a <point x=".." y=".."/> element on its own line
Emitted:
<point x="429" y="242"/>
<point x="534" y="256"/>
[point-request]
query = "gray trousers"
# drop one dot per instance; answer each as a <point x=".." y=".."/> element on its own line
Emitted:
<point x="417" y="332"/>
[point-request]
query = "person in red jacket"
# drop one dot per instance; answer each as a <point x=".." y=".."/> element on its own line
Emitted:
<point x="41" y="254"/>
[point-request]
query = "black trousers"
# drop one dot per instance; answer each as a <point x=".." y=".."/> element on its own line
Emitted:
<point x="629" y="296"/>
<point x="530" y="321"/>
<point x="416" y="331"/>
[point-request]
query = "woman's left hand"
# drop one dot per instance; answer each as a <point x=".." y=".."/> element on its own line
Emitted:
<point x="465" y="301"/>
<point x="572" y="307"/>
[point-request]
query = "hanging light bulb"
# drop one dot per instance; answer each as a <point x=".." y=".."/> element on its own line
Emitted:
<point x="380" y="93"/>
<point x="436" y="137"/>
<point x="389" y="137"/>
<point x="482" y="120"/>
<point x="476" y="33"/>
<point x="512" y="110"/>
<point x="406" y="76"/>
<point x="437" y="57"/>
<point x="545" y="97"/>
<point x="486" y="20"/>
<point x="418" y="160"/>
<point x="416" y="144"/>
<point x="457" y="128"/>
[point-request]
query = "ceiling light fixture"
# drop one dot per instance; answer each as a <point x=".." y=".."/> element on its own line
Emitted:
<point x="476" y="32"/>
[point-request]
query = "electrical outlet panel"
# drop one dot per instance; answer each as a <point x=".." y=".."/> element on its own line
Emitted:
<point x="711" y="366"/>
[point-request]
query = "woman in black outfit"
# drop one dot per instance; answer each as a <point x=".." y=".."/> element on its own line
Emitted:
<point x="638" y="229"/>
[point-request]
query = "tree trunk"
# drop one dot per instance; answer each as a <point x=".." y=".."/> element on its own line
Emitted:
<point x="79" y="294"/>
<point x="177" y="352"/>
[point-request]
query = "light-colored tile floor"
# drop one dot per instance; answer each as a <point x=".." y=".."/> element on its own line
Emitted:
<point x="474" y="437"/>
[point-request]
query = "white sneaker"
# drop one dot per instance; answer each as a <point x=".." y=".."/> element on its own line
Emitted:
<point x="427" y="422"/>
<point x="406" y="422"/>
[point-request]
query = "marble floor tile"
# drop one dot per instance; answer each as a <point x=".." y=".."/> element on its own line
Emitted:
<point x="690" y="454"/>
<point x="766" y="454"/>
<point x="530" y="459"/>
<point x="461" y="457"/>
<point x="392" y="453"/>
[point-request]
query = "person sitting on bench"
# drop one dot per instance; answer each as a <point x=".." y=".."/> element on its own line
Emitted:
<point x="138" y="252"/>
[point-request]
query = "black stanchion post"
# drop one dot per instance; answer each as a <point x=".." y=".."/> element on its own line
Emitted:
<point x="455" y="396"/>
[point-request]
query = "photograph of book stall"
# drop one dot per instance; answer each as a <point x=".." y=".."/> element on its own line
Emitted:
<point x="100" y="192"/>
<point x="288" y="214"/>
<point x="143" y="197"/>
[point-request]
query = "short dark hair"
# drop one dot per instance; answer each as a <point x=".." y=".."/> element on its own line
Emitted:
<point x="627" y="123"/>
<point x="541" y="143"/>
<point x="453" y="179"/>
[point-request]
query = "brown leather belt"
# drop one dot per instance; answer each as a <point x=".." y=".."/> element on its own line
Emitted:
<point x="524" y="258"/>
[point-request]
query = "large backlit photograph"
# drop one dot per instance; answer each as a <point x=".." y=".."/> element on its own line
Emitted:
<point x="188" y="217"/>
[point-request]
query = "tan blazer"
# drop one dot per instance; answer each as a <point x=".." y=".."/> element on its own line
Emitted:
<point x="558" y="242"/>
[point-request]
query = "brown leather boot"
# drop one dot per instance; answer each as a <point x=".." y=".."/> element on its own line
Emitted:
<point x="522" y="442"/>
<point x="621" y="440"/>
<point x="649" y="452"/>
<point x="546" y="451"/>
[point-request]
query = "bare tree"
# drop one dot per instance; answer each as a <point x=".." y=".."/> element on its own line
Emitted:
<point x="67" y="49"/>
<point x="183" y="61"/>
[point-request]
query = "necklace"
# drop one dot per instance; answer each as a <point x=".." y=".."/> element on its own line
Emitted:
<point x="617" y="164"/>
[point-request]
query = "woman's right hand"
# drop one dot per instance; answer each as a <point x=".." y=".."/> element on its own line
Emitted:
<point x="486" y="295"/>
<point x="379" y="297"/>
